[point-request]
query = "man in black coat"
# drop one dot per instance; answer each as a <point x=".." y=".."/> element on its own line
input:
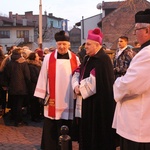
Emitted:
<point x="17" y="76"/>
<point x="93" y="86"/>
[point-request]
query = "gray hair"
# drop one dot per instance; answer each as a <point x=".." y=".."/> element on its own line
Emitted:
<point x="146" y="25"/>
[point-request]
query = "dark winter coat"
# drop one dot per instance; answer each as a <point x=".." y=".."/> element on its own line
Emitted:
<point x="98" y="110"/>
<point x="122" y="63"/>
<point x="2" y="57"/>
<point x="34" y="67"/>
<point x="17" y="75"/>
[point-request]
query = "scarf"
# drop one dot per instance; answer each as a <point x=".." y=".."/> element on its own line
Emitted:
<point x="52" y="79"/>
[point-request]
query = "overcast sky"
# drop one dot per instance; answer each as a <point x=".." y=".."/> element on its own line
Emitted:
<point x="73" y="10"/>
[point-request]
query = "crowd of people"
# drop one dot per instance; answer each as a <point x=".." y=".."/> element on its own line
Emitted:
<point x="19" y="71"/>
<point x="104" y="104"/>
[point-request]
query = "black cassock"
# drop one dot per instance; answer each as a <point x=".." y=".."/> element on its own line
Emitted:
<point x="95" y="126"/>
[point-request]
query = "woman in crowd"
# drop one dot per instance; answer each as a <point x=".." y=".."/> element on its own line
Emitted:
<point x="34" y="66"/>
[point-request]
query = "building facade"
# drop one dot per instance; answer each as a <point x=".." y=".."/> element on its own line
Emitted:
<point x="23" y="30"/>
<point x="15" y="32"/>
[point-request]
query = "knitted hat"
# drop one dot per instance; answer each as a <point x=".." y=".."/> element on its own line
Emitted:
<point x="95" y="35"/>
<point x="39" y="52"/>
<point x="61" y="36"/>
<point x="142" y="16"/>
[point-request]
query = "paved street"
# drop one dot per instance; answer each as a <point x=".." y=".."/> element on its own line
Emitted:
<point x="21" y="138"/>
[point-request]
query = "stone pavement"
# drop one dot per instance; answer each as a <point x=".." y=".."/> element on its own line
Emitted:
<point x="21" y="138"/>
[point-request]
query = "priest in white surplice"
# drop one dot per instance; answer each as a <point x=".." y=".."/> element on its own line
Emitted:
<point x="55" y="83"/>
<point x="132" y="93"/>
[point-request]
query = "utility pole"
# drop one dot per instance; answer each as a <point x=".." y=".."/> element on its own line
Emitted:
<point x="40" y="24"/>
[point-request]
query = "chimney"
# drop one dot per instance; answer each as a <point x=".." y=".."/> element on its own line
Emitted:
<point x="45" y="12"/>
<point x="16" y="16"/>
<point x="10" y="15"/>
<point x="28" y="13"/>
<point x="50" y="14"/>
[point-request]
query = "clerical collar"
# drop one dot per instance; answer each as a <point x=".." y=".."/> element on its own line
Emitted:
<point x="145" y="44"/>
<point x="63" y="56"/>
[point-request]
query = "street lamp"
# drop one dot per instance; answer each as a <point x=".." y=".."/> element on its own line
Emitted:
<point x="40" y="24"/>
<point x="99" y="6"/>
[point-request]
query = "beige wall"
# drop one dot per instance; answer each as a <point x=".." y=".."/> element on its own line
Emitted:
<point x="13" y="40"/>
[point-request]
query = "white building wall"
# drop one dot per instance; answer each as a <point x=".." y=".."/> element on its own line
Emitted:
<point x="13" y="40"/>
<point x="88" y="24"/>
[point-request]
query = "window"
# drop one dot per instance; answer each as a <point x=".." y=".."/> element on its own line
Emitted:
<point x="51" y="23"/>
<point x="22" y="33"/>
<point x="5" y="34"/>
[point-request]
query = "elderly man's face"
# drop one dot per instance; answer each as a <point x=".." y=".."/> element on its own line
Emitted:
<point x="142" y="33"/>
<point x="62" y="46"/>
<point x="91" y="47"/>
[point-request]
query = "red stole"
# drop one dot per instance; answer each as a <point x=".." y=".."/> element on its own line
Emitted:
<point x="52" y="79"/>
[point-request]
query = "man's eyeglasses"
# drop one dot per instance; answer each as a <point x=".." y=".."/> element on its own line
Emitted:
<point x="139" y="29"/>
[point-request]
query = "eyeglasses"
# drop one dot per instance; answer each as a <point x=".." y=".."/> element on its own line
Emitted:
<point x="139" y="29"/>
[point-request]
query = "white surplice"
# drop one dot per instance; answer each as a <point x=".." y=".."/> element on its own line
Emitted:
<point x="64" y="104"/>
<point x="132" y="94"/>
<point x="87" y="88"/>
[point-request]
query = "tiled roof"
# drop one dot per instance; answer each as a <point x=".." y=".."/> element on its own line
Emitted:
<point x="121" y="22"/>
<point x="6" y="19"/>
<point x="106" y="5"/>
<point x="18" y="22"/>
